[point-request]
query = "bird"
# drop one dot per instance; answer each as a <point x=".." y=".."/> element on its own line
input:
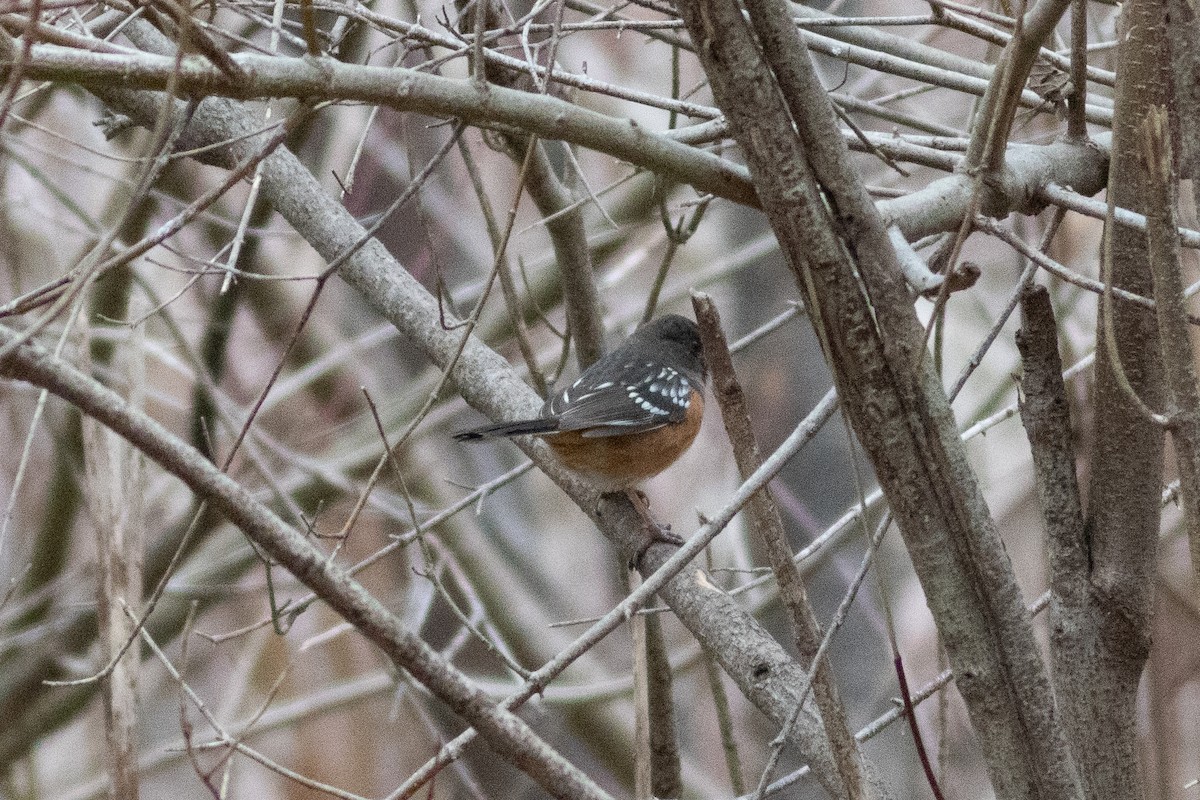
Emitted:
<point x="628" y="417"/>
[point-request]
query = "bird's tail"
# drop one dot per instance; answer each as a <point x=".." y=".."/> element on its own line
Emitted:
<point x="502" y="429"/>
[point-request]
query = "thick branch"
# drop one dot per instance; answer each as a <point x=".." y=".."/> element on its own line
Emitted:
<point x="404" y="90"/>
<point x="1106" y="635"/>
<point x="1162" y="239"/>
<point x="936" y="208"/>
<point x="833" y="240"/>
<point x="939" y="206"/>
<point x="1047" y="420"/>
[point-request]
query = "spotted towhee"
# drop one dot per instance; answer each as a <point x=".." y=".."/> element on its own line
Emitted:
<point x="630" y="415"/>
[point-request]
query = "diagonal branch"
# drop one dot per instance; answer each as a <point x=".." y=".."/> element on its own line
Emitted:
<point x="405" y="90"/>
<point x="505" y="732"/>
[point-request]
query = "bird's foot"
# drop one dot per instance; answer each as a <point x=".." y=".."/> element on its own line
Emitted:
<point x="656" y="532"/>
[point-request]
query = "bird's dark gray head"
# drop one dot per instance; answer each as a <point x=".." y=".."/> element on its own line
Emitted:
<point x="675" y="339"/>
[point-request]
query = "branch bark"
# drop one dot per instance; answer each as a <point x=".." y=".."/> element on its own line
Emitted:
<point x="837" y="245"/>
<point x="1162" y="240"/>
<point x="1105" y="631"/>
